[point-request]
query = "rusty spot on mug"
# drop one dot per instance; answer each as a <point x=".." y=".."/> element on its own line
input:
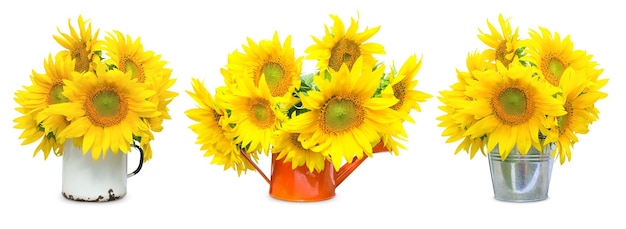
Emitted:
<point x="100" y="198"/>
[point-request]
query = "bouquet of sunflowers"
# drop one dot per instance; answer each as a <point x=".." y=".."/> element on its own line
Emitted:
<point x="340" y="112"/>
<point x="102" y="94"/>
<point x="522" y="92"/>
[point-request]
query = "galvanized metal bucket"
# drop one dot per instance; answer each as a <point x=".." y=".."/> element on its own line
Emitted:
<point x="521" y="178"/>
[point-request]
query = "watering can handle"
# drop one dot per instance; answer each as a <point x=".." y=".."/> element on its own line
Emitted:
<point x="254" y="165"/>
<point x="140" y="161"/>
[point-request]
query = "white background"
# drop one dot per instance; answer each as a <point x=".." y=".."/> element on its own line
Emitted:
<point x="426" y="186"/>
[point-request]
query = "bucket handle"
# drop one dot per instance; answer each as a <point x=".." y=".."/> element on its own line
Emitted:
<point x="140" y="161"/>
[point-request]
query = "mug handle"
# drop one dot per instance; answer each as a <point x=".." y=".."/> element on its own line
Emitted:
<point x="140" y="161"/>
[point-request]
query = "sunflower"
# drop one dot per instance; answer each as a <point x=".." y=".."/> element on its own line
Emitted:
<point x="339" y="46"/>
<point x="344" y="119"/>
<point x="33" y="131"/>
<point x="455" y="131"/>
<point x="268" y="57"/>
<point x="163" y="97"/>
<point x="46" y="89"/>
<point x="456" y="122"/>
<point x="579" y="97"/>
<point x="128" y="55"/>
<point x="288" y="146"/>
<point x="105" y="111"/>
<point x="503" y="45"/>
<point x="402" y="86"/>
<point x="479" y="61"/>
<point x="511" y="108"/>
<point x="214" y="134"/>
<point x="254" y="114"/>
<point x="80" y="45"/>
<point x="552" y="56"/>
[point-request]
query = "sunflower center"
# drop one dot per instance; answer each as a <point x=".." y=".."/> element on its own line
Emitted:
<point x="399" y="91"/>
<point x="81" y="57"/>
<point x="513" y="101"/>
<point x="345" y="51"/>
<point x="512" y="106"/>
<point x="106" y="108"/>
<point x="128" y="65"/>
<point x="295" y="142"/>
<point x="556" y="68"/>
<point x="553" y="69"/>
<point x="501" y="52"/>
<point x="564" y="120"/>
<point x="262" y="114"/>
<point x="341" y="114"/>
<point x="216" y="117"/>
<point x="274" y="76"/>
<point x="56" y="94"/>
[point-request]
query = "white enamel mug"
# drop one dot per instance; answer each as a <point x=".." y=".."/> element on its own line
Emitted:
<point x="95" y="181"/>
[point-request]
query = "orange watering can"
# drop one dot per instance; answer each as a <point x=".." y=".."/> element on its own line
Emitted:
<point x="301" y="185"/>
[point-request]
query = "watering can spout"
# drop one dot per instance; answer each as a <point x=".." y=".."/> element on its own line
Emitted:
<point x="347" y="169"/>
